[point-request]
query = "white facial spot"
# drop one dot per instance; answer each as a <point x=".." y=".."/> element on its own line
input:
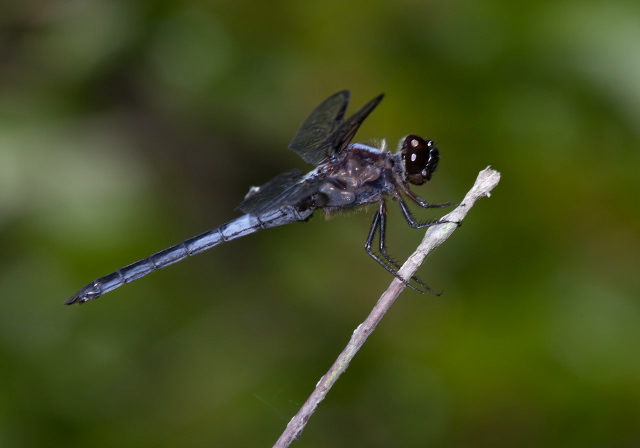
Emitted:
<point x="414" y="143"/>
<point x="414" y="157"/>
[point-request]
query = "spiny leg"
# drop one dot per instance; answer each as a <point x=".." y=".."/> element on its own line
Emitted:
<point x="380" y="222"/>
<point x="422" y="203"/>
<point x="382" y="244"/>
<point x="383" y="251"/>
<point x="383" y="262"/>
<point x="421" y="225"/>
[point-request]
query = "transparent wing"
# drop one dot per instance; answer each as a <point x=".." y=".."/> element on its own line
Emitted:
<point x="311" y="138"/>
<point x="325" y="132"/>
<point x="341" y="138"/>
<point x="285" y="189"/>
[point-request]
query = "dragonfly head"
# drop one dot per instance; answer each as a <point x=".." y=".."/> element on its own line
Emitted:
<point x="420" y="158"/>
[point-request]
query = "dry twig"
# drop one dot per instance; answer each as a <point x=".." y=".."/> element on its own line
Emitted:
<point x="436" y="235"/>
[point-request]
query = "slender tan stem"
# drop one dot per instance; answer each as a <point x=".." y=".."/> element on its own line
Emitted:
<point x="436" y="235"/>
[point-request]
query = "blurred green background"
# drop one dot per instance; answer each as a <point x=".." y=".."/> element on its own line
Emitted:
<point x="128" y="126"/>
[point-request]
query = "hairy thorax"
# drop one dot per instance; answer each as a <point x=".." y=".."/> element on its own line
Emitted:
<point x="355" y="180"/>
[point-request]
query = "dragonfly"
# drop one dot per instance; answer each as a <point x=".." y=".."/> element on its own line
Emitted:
<point x="346" y="175"/>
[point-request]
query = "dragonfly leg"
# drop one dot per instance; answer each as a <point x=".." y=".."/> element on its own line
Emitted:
<point x="422" y="203"/>
<point x="417" y="224"/>
<point x="380" y="224"/>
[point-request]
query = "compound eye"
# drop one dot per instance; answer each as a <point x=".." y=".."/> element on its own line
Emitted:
<point x="415" y="153"/>
<point x="420" y="159"/>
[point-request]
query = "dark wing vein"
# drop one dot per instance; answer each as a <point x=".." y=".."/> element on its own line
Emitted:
<point x="325" y="132"/>
<point x="340" y="139"/>
<point x="285" y="189"/>
<point x="310" y="141"/>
